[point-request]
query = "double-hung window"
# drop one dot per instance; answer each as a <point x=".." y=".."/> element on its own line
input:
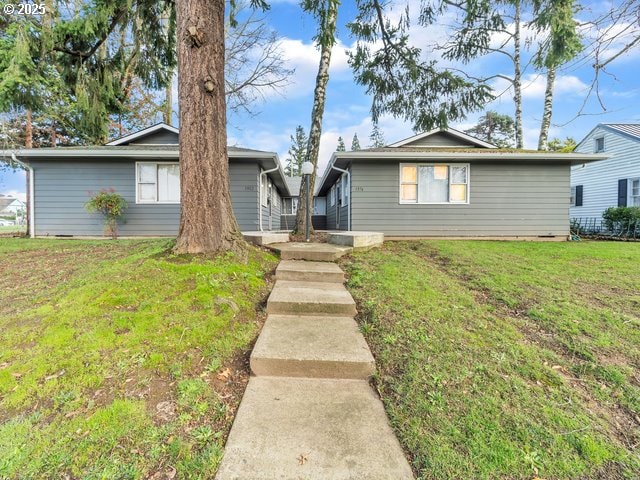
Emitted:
<point x="332" y="196"/>
<point x="157" y="182"/>
<point x="634" y="192"/>
<point x="434" y="183"/>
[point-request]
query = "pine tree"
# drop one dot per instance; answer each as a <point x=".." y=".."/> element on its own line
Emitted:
<point x="341" y="146"/>
<point x="355" y="143"/>
<point x="376" y="137"/>
<point x="495" y="128"/>
<point x="297" y="152"/>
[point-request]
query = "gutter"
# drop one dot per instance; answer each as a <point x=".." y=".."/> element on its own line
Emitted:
<point x="32" y="217"/>
<point x="349" y="179"/>
<point x="264" y="172"/>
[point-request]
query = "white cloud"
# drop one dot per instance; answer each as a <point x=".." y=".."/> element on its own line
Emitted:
<point x="534" y="86"/>
<point x="15" y="193"/>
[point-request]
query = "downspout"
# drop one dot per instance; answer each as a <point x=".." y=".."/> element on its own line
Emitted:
<point x="264" y="172"/>
<point x="32" y="218"/>
<point x="349" y="206"/>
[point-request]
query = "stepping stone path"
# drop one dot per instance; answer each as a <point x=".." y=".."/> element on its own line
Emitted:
<point x="309" y="411"/>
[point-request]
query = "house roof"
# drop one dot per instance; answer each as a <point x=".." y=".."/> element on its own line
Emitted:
<point x="5" y="202"/>
<point x="438" y="154"/>
<point x="464" y="139"/>
<point x="628" y="130"/>
<point x="145" y="132"/>
<point x="266" y="160"/>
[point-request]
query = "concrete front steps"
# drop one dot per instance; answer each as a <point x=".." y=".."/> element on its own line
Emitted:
<point x="309" y="412"/>
<point x="310" y="298"/>
<point x="316" y="252"/>
<point x="312" y="346"/>
<point x="298" y="270"/>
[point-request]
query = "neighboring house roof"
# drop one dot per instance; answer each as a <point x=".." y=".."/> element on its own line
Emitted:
<point x="629" y="130"/>
<point x="6" y="202"/>
<point x="461" y="137"/>
<point x="294" y="185"/>
<point x="145" y="132"/>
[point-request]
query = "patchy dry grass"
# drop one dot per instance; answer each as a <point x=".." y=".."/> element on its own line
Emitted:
<point x="119" y="360"/>
<point x="507" y="359"/>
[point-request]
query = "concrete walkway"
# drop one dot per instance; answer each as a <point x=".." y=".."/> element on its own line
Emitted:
<point x="308" y="411"/>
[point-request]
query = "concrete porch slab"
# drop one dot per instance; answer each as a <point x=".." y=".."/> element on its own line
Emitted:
<point x="317" y="252"/>
<point x="265" y="238"/>
<point x="309" y="298"/>
<point x="300" y="270"/>
<point x="356" y="240"/>
<point x="312" y="429"/>
<point x="312" y="346"/>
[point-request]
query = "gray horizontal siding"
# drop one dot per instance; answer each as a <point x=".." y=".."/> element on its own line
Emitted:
<point x="518" y="199"/>
<point x="288" y="222"/>
<point x="600" y="179"/>
<point x="62" y="188"/>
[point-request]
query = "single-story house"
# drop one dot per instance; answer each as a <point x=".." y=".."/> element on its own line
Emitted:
<point x="144" y="168"/>
<point x="449" y="184"/>
<point x="614" y="182"/>
<point x="290" y="207"/>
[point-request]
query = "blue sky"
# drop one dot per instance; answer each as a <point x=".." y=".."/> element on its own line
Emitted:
<point x="347" y="105"/>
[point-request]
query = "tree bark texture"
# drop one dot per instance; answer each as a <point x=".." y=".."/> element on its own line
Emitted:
<point x="28" y="130"/>
<point x="317" y="113"/>
<point x="207" y="222"/>
<point x="517" y="77"/>
<point x="547" y="111"/>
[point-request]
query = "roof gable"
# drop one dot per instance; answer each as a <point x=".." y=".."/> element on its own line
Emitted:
<point x="443" y="138"/>
<point x="158" y="134"/>
<point x="627" y="130"/>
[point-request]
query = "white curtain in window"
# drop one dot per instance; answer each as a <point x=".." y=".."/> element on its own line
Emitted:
<point x="433" y="184"/>
<point x="147" y="182"/>
<point x="168" y="183"/>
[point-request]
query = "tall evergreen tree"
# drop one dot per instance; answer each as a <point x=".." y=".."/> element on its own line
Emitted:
<point x="355" y="143"/>
<point x="297" y="152"/>
<point x="376" y="137"/>
<point x="341" y="146"/>
<point x="495" y="128"/>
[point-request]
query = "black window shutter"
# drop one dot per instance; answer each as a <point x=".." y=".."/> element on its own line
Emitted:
<point x="578" y="195"/>
<point x="622" y="192"/>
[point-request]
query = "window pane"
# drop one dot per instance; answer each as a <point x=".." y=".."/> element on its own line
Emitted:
<point x="168" y="183"/>
<point x="440" y="172"/>
<point x="430" y="188"/>
<point x="409" y="174"/>
<point x="147" y="172"/>
<point x="458" y="174"/>
<point x="635" y="188"/>
<point x="409" y="193"/>
<point x="458" y="193"/>
<point x="147" y="192"/>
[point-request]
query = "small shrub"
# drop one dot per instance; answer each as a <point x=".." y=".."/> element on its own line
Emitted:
<point x="110" y="204"/>
<point x="622" y="219"/>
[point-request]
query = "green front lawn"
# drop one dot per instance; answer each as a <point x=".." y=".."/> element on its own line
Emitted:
<point x="507" y="359"/>
<point x="120" y="361"/>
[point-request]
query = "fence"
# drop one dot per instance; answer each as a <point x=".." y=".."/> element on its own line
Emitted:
<point x="598" y="227"/>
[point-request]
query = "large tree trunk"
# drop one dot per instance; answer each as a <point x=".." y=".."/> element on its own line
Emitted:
<point x="316" y="115"/>
<point x="548" y="109"/>
<point x="207" y="222"/>
<point x="28" y="130"/>
<point x="517" y="77"/>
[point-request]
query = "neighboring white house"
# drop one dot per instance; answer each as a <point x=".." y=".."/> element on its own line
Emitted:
<point x="614" y="182"/>
<point x="11" y="205"/>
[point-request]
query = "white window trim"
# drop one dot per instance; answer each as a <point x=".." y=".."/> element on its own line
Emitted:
<point x="150" y="202"/>
<point x="332" y="196"/>
<point x="408" y="202"/>
<point x="630" y="195"/>
<point x="344" y="201"/>
<point x="572" y="196"/>
<point x="595" y="144"/>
